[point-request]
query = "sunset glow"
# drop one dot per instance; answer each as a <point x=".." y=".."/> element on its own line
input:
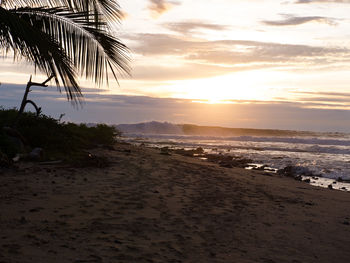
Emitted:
<point x="174" y="131"/>
<point x="230" y="52"/>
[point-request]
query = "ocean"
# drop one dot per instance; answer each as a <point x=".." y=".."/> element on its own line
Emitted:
<point x="323" y="157"/>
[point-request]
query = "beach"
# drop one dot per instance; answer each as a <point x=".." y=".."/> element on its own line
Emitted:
<point x="154" y="206"/>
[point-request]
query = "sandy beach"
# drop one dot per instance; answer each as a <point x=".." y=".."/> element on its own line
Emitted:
<point x="153" y="207"/>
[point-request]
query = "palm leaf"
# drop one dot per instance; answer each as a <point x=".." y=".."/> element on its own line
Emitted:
<point x="39" y="47"/>
<point x="93" y="51"/>
<point x="107" y="10"/>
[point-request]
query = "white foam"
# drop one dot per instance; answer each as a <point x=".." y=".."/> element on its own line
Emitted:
<point x="325" y="156"/>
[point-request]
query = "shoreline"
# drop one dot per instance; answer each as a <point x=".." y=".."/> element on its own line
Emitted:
<point x="241" y="162"/>
<point x="153" y="207"/>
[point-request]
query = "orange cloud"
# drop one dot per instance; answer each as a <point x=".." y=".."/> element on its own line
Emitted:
<point x="159" y="7"/>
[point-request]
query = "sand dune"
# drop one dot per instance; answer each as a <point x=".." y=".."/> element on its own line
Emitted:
<point x="151" y="207"/>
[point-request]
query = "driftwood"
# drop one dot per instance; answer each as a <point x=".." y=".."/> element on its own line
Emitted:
<point x="25" y="100"/>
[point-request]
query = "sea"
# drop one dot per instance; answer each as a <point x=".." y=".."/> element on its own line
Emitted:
<point x="323" y="158"/>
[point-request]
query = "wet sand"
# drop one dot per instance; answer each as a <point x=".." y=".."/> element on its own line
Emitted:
<point x="152" y="207"/>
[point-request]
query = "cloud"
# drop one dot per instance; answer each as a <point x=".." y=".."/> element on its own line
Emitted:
<point x="159" y="7"/>
<point x="186" y="71"/>
<point x="199" y="58"/>
<point x="328" y="94"/>
<point x="234" y="52"/>
<point x="294" y="20"/>
<point x="189" y="27"/>
<point x="328" y="101"/>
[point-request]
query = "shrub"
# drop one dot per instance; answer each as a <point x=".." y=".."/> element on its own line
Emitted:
<point x="56" y="138"/>
<point x="8" y="146"/>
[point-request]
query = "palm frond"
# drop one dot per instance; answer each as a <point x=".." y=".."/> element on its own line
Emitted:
<point x="40" y="48"/>
<point x="93" y="51"/>
<point x="103" y="10"/>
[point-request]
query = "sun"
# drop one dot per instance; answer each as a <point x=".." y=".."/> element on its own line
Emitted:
<point x="246" y="86"/>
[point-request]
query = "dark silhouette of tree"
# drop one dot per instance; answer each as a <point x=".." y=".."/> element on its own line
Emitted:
<point x="65" y="39"/>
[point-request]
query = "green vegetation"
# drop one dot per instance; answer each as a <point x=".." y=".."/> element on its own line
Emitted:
<point x="58" y="140"/>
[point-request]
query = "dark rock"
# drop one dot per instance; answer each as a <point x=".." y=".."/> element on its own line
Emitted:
<point x="346" y="223"/>
<point x="298" y="178"/>
<point x="15" y="140"/>
<point x="199" y="150"/>
<point x="227" y="160"/>
<point x="340" y="179"/>
<point x="17" y="144"/>
<point x="287" y="171"/>
<point x="240" y="163"/>
<point x="36" y="154"/>
<point x="307" y="180"/>
<point x="179" y="151"/>
<point x="165" y="151"/>
<point x="117" y="241"/>
<point x="295" y="172"/>
<point x="4" y="161"/>
<point x="330" y="186"/>
<point x="23" y="220"/>
<point x="183" y="152"/>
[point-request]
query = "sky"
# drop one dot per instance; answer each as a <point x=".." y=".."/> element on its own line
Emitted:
<point x="257" y="64"/>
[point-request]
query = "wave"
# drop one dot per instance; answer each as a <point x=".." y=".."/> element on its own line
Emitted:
<point x="325" y="156"/>
<point x="315" y="142"/>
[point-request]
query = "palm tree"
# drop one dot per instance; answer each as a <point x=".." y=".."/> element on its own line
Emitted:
<point x="65" y="39"/>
